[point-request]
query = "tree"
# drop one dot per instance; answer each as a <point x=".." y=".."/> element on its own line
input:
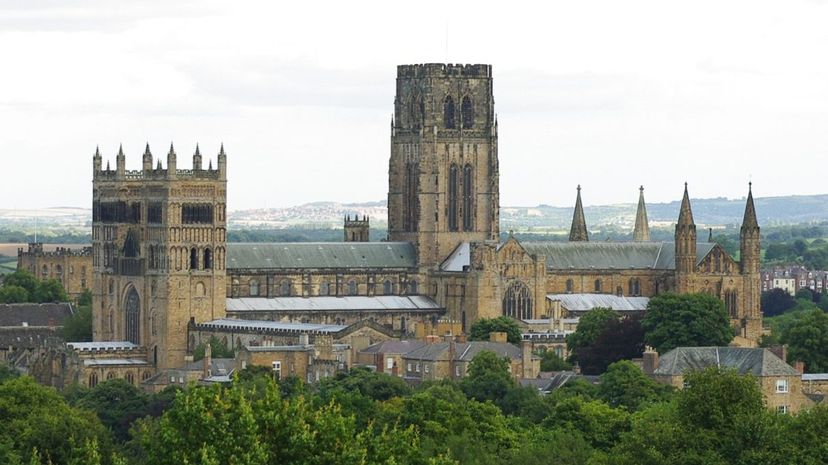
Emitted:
<point x="621" y="339"/>
<point x="23" y="279"/>
<point x="590" y="326"/>
<point x="481" y="329"/>
<point x="625" y="385"/>
<point x="550" y="361"/>
<point x="50" y="290"/>
<point x="805" y="294"/>
<point x="675" y="320"/>
<point x="807" y="340"/>
<point x="85" y="298"/>
<point x="488" y="378"/>
<point x="218" y="349"/>
<point x="78" y="328"/>
<point x="117" y="403"/>
<point x="13" y="294"/>
<point x="714" y="397"/>
<point x="775" y="302"/>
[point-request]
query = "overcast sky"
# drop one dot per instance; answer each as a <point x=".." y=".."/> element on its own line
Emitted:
<point x="606" y="94"/>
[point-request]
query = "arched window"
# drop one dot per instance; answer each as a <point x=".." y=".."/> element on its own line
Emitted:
<point x="635" y="287"/>
<point x="324" y="288"/>
<point x="387" y="287"/>
<point x="452" y="198"/>
<point x="208" y="259"/>
<point x="145" y="375"/>
<point x="133" y="310"/>
<point x="193" y="259"/>
<point x="93" y="380"/>
<point x="412" y="286"/>
<point x="58" y="270"/>
<point x="284" y="288"/>
<point x="570" y="285"/>
<point x="597" y="285"/>
<point x="412" y="202"/>
<point x="110" y="375"/>
<point x="352" y="287"/>
<point x="448" y="112"/>
<point x="254" y="288"/>
<point x="467" y="111"/>
<point x="45" y="270"/>
<point x="731" y="304"/>
<point x="517" y="302"/>
<point x="129" y="377"/>
<point x="468" y="210"/>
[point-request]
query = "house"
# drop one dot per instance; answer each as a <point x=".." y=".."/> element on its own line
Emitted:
<point x="387" y="357"/>
<point x="780" y="383"/>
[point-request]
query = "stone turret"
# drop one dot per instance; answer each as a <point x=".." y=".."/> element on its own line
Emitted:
<point x="97" y="161"/>
<point x="641" y="233"/>
<point x="356" y="228"/>
<point x="147" y="161"/>
<point x="222" y="163"/>
<point x="120" y="163"/>
<point x="171" y="163"/>
<point x="578" y="231"/>
<point x="197" y="159"/>
<point x="685" y="239"/>
<point x="750" y="261"/>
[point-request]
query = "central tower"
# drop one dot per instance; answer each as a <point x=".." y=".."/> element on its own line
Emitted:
<point x="443" y="173"/>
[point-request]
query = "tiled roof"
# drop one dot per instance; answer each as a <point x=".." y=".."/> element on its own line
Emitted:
<point x="611" y="255"/>
<point x="293" y="255"/>
<point x="326" y="303"/>
<point x="393" y="347"/>
<point x="264" y="325"/>
<point x="464" y="351"/>
<point x="50" y="314"/>
<point x="758" y="362"/>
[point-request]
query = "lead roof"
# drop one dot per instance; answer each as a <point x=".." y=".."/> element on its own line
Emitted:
<point x="292" y="255"/>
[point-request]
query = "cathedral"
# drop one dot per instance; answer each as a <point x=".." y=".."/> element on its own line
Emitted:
<point x="164" y="275"/>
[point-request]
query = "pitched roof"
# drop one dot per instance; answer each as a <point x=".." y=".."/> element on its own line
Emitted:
<point x="586" y="302"/>
<point x="329" y="303"/>
<point x="611" y="255"/>
<point x="459" y="259"/>
<point x="50" y="314"/>
<point x="464" y="351"/>
<point x="758" y="361"/>
<point x="394" y="347"/>
<point x="291" y="255"/>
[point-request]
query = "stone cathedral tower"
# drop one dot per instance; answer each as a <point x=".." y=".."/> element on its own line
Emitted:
<point x="158" y="240"/>
<point x="443" y="172"/>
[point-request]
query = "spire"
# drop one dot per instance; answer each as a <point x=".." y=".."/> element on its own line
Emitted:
<point x="98" y="151"/>
<point x="147" y="161"/>
<point x="197" y="152"/>
<point x="158" y="166"/>
<point x="578" y="232"/>
<point x="749" y="220"/>
<point x="172" y="150"/>
<point x="210" y="165"/>
<point x="121" y="150"/>
<point x="221" y="150"/>
<point x="641" y="233"/>
<point x="147" y="150"/>
<point x="197" y="159"/>
<point x="710" y="235"/>
<point x="685" y="213"/>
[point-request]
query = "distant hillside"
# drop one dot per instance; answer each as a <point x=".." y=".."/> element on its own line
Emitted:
<point x="543" y="218"/>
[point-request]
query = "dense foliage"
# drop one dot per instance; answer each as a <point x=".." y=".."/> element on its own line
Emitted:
<point x="604" y="337"/>
<point x="776" y="302"/>
<point x="481" y="329"/>
<point x="681" y="320"/>
<point x="21" y="286"/>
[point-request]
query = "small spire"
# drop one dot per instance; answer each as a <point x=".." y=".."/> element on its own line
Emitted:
<point x="221" y="150"/>
<point x="121" y="150"/>
<point x="172" y="150"/>
<point x="578" y="231"/>
<point x="107" y="165"/>
<point x="158" y="167"/>
<point x="210" y="165"/>
<point x="97" y="151"/>
<point x="147" y="150"/>
<point x="197" y="152"/>
<point x="641" y="232"/>
<point x="710" y="235"/>
<point x="750" y="220"/>
<point x="685" y="213"/>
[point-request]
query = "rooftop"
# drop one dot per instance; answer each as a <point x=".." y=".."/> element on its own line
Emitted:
<point x="586" y="302"/>
<point x="326" y="303"/>
<point x="757" y="362"/>
<point x="292" y="255"/>
<point x="47" y="314"/>
<point x="279" y="326"/>
<point x="611" y="255"/>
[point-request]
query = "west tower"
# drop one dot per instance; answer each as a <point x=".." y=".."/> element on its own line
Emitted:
<point x="443" y="181"/>
<point x="158" y="244"/>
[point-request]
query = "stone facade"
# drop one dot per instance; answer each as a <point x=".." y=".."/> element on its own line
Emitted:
<point x="158" y="248"/>
<point x="72" y="267"/>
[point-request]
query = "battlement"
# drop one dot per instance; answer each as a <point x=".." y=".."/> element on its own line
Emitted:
<point x="357" y="221"/>
<point x="36" y="249"/>
<point x="444" y="69"/>
<point x="120" y="173"/>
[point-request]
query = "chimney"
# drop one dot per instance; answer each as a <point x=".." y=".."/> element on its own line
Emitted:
<point x="799" y="366"/>
<point x="781" y="351"/>
<point x="207" y="362"/>
<point x="527" y="367"/>
<point x="497" y="336"/>
<point x="649" y="361"/>
<point x="432" y="339"/>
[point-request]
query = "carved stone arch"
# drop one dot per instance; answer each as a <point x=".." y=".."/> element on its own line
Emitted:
<point x="132" y="315"/>
<point x="467" y="112"/>
<point x="449" y="113"/>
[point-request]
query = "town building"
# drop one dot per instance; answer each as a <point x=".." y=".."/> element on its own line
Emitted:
<point x="72" y="267"/>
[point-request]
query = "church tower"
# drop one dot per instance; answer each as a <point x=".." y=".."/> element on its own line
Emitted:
<point x="443" y="170"/>
<point x="750" y="261"/>
<point x="158" y="242"/>
<point x="685" y="245"/>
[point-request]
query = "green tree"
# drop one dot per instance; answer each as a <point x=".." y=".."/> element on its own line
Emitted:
<point x="807" y="340"/>
<point x="13" y="294"/>
<point x="78" y="328"/>
<point x="550" y="361"/>
<point x="50" y="290"/>
<point x="23" y="279"/>
<point x="621" y="339"/>
<point x="590" y="326"/>
<point x="625" y="385"/>
<point x="489" y="377"/>
<point x="481" y="329"/>
<point x="117" y="403"/>
<point x="675" y="320"/>
<point x="218" y="349"/>
<point x="85" y="298"/>
<point x="775" y="302"/>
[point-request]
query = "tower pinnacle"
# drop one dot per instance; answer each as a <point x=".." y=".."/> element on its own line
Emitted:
<point x="578" y="231"/>
<point x="641" y="233"/>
